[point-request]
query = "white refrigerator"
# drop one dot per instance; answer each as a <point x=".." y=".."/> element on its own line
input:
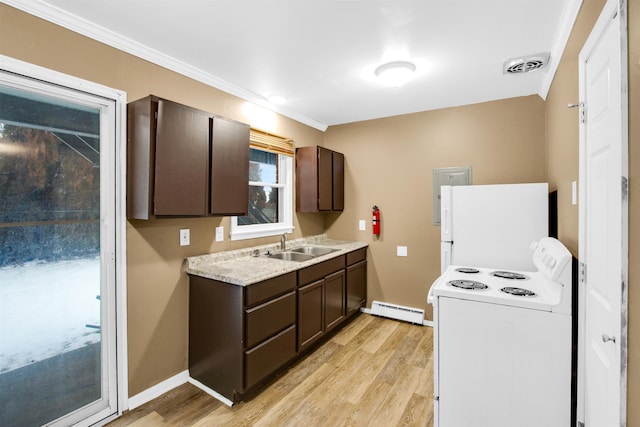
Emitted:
<point x="493" y="226"/>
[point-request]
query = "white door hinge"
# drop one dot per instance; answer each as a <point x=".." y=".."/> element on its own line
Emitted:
<point x="583" y="272"/>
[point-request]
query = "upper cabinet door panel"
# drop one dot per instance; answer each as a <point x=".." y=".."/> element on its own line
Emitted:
<point x="229" y="167"/>
<point x="306" y="179"/>
<point x="141" y="137"/>
<point x="325" y="179"/>
<point x="338" y="181"/>
<point x="181" y="166"/>
<point x="319" y="180"/>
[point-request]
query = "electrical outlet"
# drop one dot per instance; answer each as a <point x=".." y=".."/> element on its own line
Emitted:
<point x="362" y="225"/>
<point x="219" y="234"/>
<point x="185" y="237"/>
<point x="401" y="251"/>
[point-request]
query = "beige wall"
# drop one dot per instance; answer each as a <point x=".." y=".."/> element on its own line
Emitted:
<point x="389" y="163"/>
<point x="157" y="287"/>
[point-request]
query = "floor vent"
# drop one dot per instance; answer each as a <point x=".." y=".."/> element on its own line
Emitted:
<point x="394" y="311"/>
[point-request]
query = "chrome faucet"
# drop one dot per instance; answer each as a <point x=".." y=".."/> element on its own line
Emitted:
<point x="283" y="242"/>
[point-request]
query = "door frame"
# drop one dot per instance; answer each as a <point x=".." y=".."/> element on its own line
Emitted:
<point x="609" y="11"/>
<point x="119" y="254"/>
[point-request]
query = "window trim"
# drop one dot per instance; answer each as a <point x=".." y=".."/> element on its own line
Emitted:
<point x="285" y="207"/>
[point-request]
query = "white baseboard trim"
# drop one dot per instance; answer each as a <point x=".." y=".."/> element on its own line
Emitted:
<point x="211" y="392"/>
<point x="424" y="322"/>
<point x="159" y="389"/>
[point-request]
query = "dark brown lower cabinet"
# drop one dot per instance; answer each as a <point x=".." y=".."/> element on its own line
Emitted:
<point x="321" y="307"/>
<point x="356" y="286"/>
<point x="310" y="313"/>
<point x="334" y="300"/>
<point x="240" y="336"/>
<point x="356" y="292"/>
<point x="321" y="300"/>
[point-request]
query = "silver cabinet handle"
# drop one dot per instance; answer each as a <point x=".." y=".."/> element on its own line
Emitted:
<point x="606" y="338"/>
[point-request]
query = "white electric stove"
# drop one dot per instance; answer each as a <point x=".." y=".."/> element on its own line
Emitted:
<point x="502" y="343"/>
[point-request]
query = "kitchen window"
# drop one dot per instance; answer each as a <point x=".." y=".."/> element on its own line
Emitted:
<point x="270" y="189"/>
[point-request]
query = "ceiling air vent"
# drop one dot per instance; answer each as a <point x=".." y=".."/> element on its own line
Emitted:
<point x="525" y="64"/>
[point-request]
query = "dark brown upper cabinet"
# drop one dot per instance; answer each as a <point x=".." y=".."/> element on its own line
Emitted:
<point x="229" y="185"/>
<point x="184" y="162"/>
<point x="319" y="180"/>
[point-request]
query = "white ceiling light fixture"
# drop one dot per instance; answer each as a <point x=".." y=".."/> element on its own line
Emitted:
<point x="396" y="73"/>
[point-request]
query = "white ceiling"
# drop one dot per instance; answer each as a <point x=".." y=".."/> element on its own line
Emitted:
<point x="321" y="54"/>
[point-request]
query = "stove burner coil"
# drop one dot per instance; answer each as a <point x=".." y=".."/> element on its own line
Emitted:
<point x="519" y="292"/>
<point x="468" y="270"/>
<point x="508" y="275"/>
<point x="468" y="284"/>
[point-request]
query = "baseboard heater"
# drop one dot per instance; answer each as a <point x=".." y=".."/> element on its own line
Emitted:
<point x="399" y="312"/>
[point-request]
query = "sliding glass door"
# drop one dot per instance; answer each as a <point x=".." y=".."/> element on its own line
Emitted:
<point x="57" y="254"/>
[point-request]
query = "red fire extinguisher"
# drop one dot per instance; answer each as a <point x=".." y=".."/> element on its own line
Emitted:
<point x="376" y="221"/>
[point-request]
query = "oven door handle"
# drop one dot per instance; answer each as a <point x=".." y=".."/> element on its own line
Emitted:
<point x="430" y="297"/>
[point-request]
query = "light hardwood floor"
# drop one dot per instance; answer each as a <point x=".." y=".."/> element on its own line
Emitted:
<point x="375" y="372"/>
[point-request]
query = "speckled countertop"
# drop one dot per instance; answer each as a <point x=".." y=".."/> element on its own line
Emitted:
<point x="241" y="267"/>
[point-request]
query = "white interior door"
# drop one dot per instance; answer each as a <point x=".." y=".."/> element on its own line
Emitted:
<point x="603" y="221"/>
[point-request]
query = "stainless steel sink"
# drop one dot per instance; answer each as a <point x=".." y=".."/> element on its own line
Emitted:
<point x="291" y="256"/>
<point x="313" y="250"/>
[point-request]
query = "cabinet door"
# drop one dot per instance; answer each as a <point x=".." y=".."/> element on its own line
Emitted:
<point x="334" y="304"/>
<point x="229" y="187"/>
<point x="181" y="161"/>
<point x="310" y="313"/>
<point x="356" y="286"/>
<point x="325" y="179"/>
<point x="338" y="181"/>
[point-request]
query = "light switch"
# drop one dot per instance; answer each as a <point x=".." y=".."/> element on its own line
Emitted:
<point x="185" y="237"/>
<point x="401" y="251"/>
<point x="574" y="193"/>
<point x="362" y="225"/>
<point x="219" y="234"/>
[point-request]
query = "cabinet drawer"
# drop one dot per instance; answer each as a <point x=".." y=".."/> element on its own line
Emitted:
<point x="269" y="356"/>
<point x="268" y="318"/>
<point x="318" y="271"/>
<point x="263" y="291"/>
<point x="356" y="256"/>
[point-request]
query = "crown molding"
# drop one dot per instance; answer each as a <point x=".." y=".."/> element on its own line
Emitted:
<point x="89" y="29"/>
<point x="569" y="16"/>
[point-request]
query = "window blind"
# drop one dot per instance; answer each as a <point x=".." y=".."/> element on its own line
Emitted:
<point x="269" y="142"/>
